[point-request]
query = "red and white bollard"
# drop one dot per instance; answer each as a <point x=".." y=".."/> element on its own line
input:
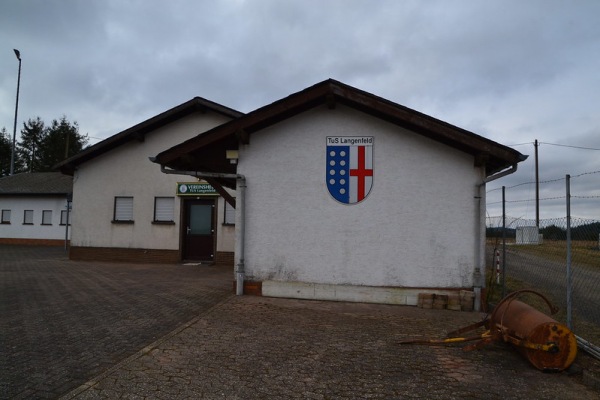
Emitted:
<point x="498" y="267"/>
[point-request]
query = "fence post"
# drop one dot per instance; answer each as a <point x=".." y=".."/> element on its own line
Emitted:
<point x="569" y="272"/>
<point x="503" y="242"/>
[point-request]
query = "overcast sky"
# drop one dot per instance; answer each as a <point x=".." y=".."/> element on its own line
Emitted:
<point x="512" y="71"/>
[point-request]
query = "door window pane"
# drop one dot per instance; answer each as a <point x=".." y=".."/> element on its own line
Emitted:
<point x="200" y="219"/>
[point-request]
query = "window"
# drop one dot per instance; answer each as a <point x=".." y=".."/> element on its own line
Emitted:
<point x="123" y="210"/>
<point x="47" y="217"/>
<point x="28" y="217"/>
<point x="5" y="217"/>
<point x="164" y="209"/>
<point x="229" y="214"/>
<point x="63" y="217"/>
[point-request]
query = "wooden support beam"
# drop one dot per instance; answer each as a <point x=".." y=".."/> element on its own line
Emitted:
<point x="242" y="136"/>
<point x="221" y="190"/>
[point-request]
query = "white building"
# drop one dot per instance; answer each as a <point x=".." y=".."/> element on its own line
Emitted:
<point x="349" y="196"/>
<point x="125" y="209"/>
<point x="33" y="208"/>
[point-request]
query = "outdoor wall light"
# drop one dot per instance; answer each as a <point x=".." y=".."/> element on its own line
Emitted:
<point x="232" y="156"/>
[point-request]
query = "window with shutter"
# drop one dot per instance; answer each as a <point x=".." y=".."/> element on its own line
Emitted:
<point x="164" y="209"/>
<point x="63" y="217"/>
<point x="229" y="214"/>
<point x="6" y="216"/>
<point x="28" y="217"/>
<point x="47" y="217"/>
<point x="123" y="209"/>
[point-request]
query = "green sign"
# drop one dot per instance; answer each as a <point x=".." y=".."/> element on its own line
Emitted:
<point x="195" y="189"/>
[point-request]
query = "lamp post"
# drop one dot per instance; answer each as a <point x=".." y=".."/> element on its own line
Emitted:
<point x="12" y="155"/>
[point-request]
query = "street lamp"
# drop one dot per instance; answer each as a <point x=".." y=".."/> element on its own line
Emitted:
<point x="12" y="155"/>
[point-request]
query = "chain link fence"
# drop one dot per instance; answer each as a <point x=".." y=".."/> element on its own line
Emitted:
<point x="561" y="263"/>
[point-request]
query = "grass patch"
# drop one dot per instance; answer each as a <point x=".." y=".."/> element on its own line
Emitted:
<point x="582" y="252"/>
<point x="494" y="295"/>
<point x="585" y="329"/>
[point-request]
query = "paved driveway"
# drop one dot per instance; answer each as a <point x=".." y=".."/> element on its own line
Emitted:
<point x="248" y="348"/>
<point x="63" y="322"/>
<point x="95" y="330"/>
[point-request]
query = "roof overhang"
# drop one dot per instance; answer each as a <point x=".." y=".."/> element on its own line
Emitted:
<point x="50" y="184"/>
<point x="206" y="152"/>
<point x="139" y="131"/>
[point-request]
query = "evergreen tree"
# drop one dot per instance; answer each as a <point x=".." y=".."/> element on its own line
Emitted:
<point x="554" y="232"/>
<point x="5" y="152"/>
<point x="61" y="141"/>
<point x="32" y="135"/>
<point x="41" y="147"/>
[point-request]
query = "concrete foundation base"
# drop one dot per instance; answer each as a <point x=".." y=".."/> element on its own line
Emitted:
<point x="359" y="294"/>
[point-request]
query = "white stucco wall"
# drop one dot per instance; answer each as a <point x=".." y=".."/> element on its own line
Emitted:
<point x="417" y="228"/>
<point x="225" y="233"/>
<point x="18" y="204"/>
<point x="127" y="171"/>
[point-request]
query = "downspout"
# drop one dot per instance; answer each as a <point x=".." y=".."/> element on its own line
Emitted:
<point x="241" y="193"/>
<point x="240" y="244"/>
<point x="478" y="277"/>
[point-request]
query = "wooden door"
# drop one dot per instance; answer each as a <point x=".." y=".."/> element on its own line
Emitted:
<point x="199" y="230"/>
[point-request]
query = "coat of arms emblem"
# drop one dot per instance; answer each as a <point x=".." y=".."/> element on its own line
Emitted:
<point x="349" y="167"/>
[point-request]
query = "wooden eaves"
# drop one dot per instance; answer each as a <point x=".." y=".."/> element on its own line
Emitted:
<point x="206" y="152"/>
<point x="139" y="131"/>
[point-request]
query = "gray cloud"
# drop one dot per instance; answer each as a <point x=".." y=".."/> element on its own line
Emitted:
<point x="512" y="71"/>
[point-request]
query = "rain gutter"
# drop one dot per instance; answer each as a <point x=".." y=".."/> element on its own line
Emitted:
<point x="511" y="170"/>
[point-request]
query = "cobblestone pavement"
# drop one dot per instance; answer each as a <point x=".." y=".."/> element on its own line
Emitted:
<point x="64" y="322"/>
<point x="96" y="330"/>
<point x="262" y="348"/>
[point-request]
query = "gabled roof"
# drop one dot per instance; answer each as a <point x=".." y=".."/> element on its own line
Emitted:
<point x="206" y="152"/>
<point x="36" y="183"/>
<point x="137" y="132"/>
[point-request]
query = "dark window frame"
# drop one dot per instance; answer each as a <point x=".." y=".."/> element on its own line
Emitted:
<point x="64" y="212"/>
<point x="122" y="221"/>
<point x="25" y="217"/>
<point x="3" y="220"/>
<point x="45" y="223"/>
<point x="225" y="214"/>
<point x="164" y="221"/>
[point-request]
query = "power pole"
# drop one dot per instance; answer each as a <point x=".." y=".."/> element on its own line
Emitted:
<point x="537" y="186"/>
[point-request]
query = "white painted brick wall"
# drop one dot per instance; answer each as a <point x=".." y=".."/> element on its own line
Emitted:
<point x="127" y="171"/>
<point x="417" y="228"/>
<point x="18" y="204"/>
